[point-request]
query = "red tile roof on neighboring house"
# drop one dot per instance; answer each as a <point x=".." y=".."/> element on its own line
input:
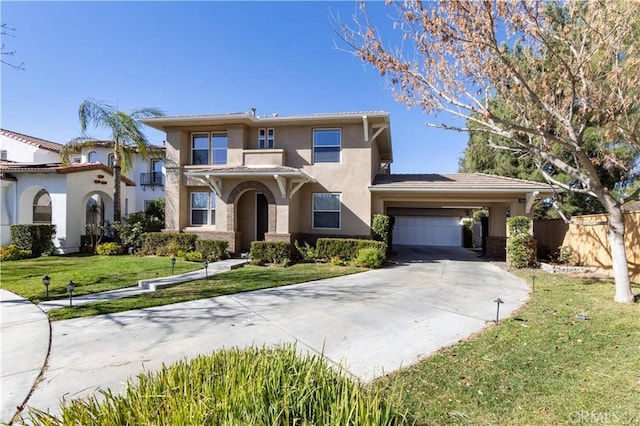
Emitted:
<point x="30" y="140"/>
<point x="18" y="168"/>
<point x="454" y="182"/>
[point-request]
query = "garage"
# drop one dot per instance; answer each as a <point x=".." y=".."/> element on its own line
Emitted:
<point x="427" y="231"/>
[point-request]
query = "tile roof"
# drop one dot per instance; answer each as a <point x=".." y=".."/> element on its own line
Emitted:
<point x="30" y="140"/>
<point x="17" y="168"/>
<point x="455" y="182"/>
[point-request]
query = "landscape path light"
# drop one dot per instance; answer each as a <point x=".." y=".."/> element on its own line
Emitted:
<point x="46" y="281"/>
<point x="173" y="264"/>
<point x="206" y="270"/>
<point x="498" y="302"/>
<point x="70" y="286"/>
<point x="533" y="282"/>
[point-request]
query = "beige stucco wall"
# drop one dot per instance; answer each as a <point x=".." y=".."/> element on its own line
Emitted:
<point x="293" y="143"/>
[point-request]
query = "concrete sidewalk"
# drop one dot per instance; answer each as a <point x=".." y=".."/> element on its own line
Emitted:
<point x="372" y="323"/>
<point x="25" y="347"/>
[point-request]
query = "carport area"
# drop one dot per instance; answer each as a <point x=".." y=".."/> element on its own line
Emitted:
<point x="429" y="208"/>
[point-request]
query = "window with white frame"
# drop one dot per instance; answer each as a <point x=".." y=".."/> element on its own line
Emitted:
<point x="110" y="160"/>
<point x="203" y="208"/>
<point x="156" y="171"/>
<point x="219" y="148"/>
<point x="3" y="154"/>
<point x="92" y="157"/>
<point x="266" y="139"/>
<point x="209" y="148"/>
<point x="326" y="210"/>
<point x="326" y="145"/>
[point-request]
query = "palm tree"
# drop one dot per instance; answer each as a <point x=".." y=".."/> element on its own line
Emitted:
<point x="126" y="135"/>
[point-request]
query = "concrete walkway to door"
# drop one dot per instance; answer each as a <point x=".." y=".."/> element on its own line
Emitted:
<point x="373" y="323"/>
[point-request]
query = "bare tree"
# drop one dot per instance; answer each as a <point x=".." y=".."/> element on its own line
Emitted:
<point x="6" y="31"/>
<point x="558" y="67"/>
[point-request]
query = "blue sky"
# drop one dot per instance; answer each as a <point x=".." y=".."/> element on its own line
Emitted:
<point x="201" y="58"/>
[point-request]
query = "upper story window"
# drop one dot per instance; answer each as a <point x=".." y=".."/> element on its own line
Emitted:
<point x="110" y="160"/>
<point x="209" y="148"/>
<point x="3" y="154"/>
<point x="156" y="171"/>
<point x="266" y="139"/>
<point x="92" y="157"/>
<point x="326" y="145"/>
<point x="203" y="208"/>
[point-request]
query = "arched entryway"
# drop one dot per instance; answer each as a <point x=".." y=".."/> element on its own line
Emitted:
<point x="254" y="212"/>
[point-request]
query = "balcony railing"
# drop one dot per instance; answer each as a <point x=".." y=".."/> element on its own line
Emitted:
<point x="151" y="179"/>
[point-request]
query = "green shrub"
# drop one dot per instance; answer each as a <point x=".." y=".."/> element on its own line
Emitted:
<point x="520" y="250"/>
<point x="213" y="249"/>
<point x="518" y="225"/>
<point x="382" y="229"/>
<point x="521" y="247"/>
<point x="12" y="252"/>
<point x="346" y="248"/>
<point x="565" y="255"/>
<point x="130" y="230"/>
<point x="166" y="243"/>
<point x="191" y="256"/>
<point x="109" y="249"/>
<point x="38" y="239"/>
<point x="369" y="258"/>
<point x="307" y="252"/>
<point x="268" y="386"/>
<point x="270" y="251"/>
<point x="338" y="261"/>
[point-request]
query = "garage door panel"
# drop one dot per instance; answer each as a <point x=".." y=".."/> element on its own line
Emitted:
<point x="427" y="231"/>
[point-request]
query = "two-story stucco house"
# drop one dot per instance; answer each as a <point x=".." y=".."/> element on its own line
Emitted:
<point x="241" y="177"/>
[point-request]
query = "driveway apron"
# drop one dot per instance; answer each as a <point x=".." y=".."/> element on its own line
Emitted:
<point x="371" y="323"/>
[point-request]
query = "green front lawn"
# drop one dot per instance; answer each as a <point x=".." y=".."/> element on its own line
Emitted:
<point x="90" y="274"/>
<point x="247" y="278"/>
<point x="544" y="366"/>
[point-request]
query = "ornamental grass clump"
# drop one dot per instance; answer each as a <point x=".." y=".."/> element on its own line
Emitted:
<point x="236" y="387"/>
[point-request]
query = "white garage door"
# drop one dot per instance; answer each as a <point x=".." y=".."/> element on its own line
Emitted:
<point x="427" y="231"/>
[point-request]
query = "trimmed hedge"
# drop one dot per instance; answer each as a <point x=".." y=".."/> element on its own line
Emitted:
<point x="213" y="249"/>
<point x="346" y="248"/>
<point x="166" y="243"/>
<point x="271" y="251"/>
<point x="521" y="247"/>
<point x="382" y="229"/>
<point x="37" y="239"/>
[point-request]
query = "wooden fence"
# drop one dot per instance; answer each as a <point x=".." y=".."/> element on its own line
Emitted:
<point x="589" y="243"/>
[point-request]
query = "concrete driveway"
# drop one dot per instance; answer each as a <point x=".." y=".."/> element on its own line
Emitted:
<point x="372" y="323"/>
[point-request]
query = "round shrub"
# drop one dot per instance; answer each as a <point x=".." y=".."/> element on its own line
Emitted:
<point x="108" y="249"/>
<point x="369" y="258"/>
<point x="192" y="256"/>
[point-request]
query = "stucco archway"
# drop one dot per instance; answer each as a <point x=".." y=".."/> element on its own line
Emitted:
<point x="234" y="197"/>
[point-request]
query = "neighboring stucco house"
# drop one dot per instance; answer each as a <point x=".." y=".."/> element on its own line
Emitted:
<point x="37" y="188"/>
<point x="241" y="177"/>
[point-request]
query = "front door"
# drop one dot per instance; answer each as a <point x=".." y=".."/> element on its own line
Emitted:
<point x="262" y="216"/>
